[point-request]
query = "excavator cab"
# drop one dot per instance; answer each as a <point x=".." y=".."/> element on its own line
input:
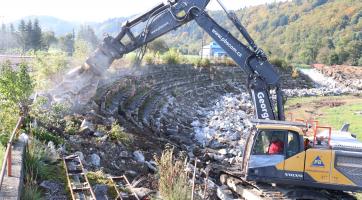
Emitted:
<point x="278" y="153"/>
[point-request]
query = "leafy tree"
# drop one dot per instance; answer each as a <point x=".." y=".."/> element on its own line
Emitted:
<point x="48" y="39"/>
<point x="355" y="51"/>
<point x="16" y="86"/>
<point x="22" y="34"/>
<point x="158" y="45"/>
<point x="66" y="43"/>
<point x="86" y="33"/>
<point x="36" y="36"/>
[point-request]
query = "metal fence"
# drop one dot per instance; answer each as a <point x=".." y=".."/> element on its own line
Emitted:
<point x="6" y="166"/>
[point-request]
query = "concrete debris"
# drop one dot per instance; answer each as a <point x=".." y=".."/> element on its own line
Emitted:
<point x="101" y="191"/>
<point x="81" y="156"/>
<point x="225" y="124"/>
<point x="54" y="190"/>
<point x="99" y="134"/>
<point x="142" y="192"/>
<point x="86" y="127"/>
<point x="224" y="193"/>
<point x="139" y="157"/>
<point x="95" y="160"/>
<point x="24" y="138"/>
<point x="151" y="165"/>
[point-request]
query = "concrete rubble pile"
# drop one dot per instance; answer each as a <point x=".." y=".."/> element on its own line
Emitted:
<point x="323" y="86"/>
<point x="348" y="76"/>
<point x="225" y="126"/>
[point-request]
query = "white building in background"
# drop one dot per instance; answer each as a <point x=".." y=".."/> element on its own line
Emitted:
<point x="213" y="50"/>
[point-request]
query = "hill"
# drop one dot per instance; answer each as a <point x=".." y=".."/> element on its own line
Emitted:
<point x="299" y="31"/>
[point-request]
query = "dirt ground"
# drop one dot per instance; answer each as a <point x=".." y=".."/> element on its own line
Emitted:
<point x="330" y="111"/>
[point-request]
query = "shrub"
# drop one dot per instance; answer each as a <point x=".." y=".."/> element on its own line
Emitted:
<point x="171" y="57"/>
<point x="295" y="73"/>
<point x="131" y="59"/>
<point x="150" y="59"/>
<point x="360" y="62"/>
<point x="71" y="127"/>
<point x="37" y="170"/>
<point x="281" y="64"/>
<point x="48" y="68"/>
<point x="173" y="178"/>
<point x="117" y="133"/>
<point x="45" y="136"/>
<point x="205" y="62"/>
<point x="52" y="115"/>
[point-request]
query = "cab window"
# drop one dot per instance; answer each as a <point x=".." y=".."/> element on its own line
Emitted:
<point x="293" y="146"/>
<point x="269" y="143"/>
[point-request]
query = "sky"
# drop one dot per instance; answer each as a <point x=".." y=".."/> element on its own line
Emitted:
<point x="94" y="10"/>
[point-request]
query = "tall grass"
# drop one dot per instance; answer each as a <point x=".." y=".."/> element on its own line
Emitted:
<point x="37" y="168"/>
<point x="173" y="179"/>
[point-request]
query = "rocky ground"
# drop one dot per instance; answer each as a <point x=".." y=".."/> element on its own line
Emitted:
<point x="348" y="76"/>
<point x="201" y="111"/>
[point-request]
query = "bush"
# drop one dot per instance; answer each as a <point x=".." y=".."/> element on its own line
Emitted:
<point x="37" y="170"/>
<point x="281" y="64"/>
<point x="45" y="136"/>
<point x="71" y="127"/>
<point x="117" y="133"/>
<point x="171" y="57"/>
<point x="48" y="68"/>
<point x="205" y="62"/>
<point x="173" y="178"/>
<point x="131" y="59"/>
<point x="51" y="115"/>
<point x="150" y="59"/>
<point x="360" y="62"/>
<point x="295" y="73"/>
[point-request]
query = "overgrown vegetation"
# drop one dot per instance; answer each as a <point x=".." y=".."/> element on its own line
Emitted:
<point x="117" y="133"/>
<point x="99" y="177"/>
<point x="16" y="86"/>
<point x="39" y="165"/>
<point x="173" y="178"/>
<point x="172" y="57"/>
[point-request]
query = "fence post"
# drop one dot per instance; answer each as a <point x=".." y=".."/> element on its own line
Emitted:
<point x="9" y="158"/>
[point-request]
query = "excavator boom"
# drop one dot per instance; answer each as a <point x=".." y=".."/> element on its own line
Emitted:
<point x="136" y="33"/>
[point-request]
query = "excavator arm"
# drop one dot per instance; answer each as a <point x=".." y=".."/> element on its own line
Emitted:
<point x="136" y="33"/>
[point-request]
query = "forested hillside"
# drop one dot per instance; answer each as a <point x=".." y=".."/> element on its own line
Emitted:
<point x="298" y="31"/>
<point x="301" y="31"/>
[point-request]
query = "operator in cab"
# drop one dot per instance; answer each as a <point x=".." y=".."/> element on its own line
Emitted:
<point x="276" y="146"/>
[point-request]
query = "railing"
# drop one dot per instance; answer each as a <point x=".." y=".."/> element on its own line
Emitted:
<point x="7" y="156"/>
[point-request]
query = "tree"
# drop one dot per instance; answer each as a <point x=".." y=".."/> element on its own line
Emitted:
<point x="48" y="39"/>
<point x="87" y="34"/>
<point x="36" y="36"/>
<point x="22" y="34"/>
<point x="355" y="51"/>
<point x="66" y="43"/>
<point x="158" y="45"/>
<point x="16" y="86"/>
<point x="28" y="36"/>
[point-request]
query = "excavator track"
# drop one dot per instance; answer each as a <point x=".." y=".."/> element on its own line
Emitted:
<point x="265" y="191"/>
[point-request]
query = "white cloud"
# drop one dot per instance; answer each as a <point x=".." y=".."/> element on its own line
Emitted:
<point x="93" y="10"/>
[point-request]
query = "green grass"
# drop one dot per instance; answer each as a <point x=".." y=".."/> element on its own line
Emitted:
<point x="2" y="154"/>
<point x="319" y="108"/>
<point x="337" y="116"/>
